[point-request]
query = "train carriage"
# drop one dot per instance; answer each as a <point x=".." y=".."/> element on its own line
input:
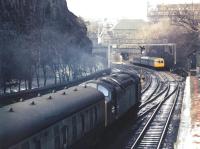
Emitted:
<point x="52" y="122"/>
<point x="70" y="117"/>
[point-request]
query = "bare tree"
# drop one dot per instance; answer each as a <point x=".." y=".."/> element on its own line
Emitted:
<point x="187" y="16"/>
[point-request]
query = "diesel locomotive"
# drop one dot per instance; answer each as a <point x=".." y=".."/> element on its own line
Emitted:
<point x="62" y="119"/>
<point x="153" y="62"/>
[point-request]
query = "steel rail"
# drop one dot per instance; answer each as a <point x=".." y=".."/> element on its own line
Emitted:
<point x="168" y="120"/>
<point x="148" y="86"/>
<point x="154" y="98"/>
<point x="154" y="106"/>
<point x="151" y="118"/>
<point x="154" y="91"/>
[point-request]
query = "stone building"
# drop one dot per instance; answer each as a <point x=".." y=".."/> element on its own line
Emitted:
<point x="125" y="31"/>
<point x="128" y="31"/>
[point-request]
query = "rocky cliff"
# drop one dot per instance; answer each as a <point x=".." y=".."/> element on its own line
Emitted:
<point x="25" y="16"/>
<point x="40" y="38"/>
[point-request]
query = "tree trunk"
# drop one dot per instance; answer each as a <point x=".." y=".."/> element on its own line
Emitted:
<point x="25" y="82"/>
<point x="54" y="72"/>
<point x="45" y="74"/>
<point x="30" y="78"/>
<point x="19" y="85"/>
<point x="59" y="74"/>
<point x="30" y="83"/>
<point x="60" y="78"/>
<point x="37" y="69"/>
<point x="66" y="77"/>
<point x="10" y="87"/>
<point x="4" y="87"/>
<point x="70" y="72"/>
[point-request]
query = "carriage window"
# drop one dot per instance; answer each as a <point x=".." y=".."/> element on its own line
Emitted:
<point x="74" y="128"/>
<point x="95" y="114"/>
<point x="103" y="90"/>
<point x="57" y="142"/>
<point x="82" y="123"/>
<point x="37" y="144"/>
<point x="57" y="137"/>
<point x="56" y="131"/>
<point x="25" y="145"/>
<point x="91" y="118"/>
<point x="64" y="134"/>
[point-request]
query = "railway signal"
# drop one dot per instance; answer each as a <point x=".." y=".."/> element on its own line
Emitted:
<point x="142" y="48"/>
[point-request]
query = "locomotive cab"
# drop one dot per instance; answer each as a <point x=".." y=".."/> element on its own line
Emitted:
<point x="105" y="91"/>
<point x="137" y="83"/>
<point x="122" y="94"/>
<point x="159" y="63"/>
<point x="104" y="87"/>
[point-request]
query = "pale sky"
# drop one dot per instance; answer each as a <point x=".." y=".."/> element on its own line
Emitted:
<point x="115" y="9"/>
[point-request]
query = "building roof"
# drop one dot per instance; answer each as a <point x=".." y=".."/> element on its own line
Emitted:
<point x="128" y="24"/>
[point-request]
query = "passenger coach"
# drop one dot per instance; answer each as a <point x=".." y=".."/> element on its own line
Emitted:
<point x="70" y="117"/>
<point x="54" y="121"/>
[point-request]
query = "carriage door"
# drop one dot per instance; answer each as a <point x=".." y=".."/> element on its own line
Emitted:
<point x="115" y="106"/>
<point x="109" y="103"/>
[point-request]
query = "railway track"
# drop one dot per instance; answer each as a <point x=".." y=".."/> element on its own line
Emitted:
<point x="152" y="89"/>
<point x="163" y="80"/>
<point x="155" y="112"/>
<point x="163" y="87"/>
<point x="148" y="81"/>
<point x="153" y="102"/>
<point x="154" y="126"/>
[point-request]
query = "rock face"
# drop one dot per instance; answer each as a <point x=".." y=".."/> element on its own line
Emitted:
<point x="24" y="16"/>
<point x="39" y="36"/>
<point x="28" y="14"/>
